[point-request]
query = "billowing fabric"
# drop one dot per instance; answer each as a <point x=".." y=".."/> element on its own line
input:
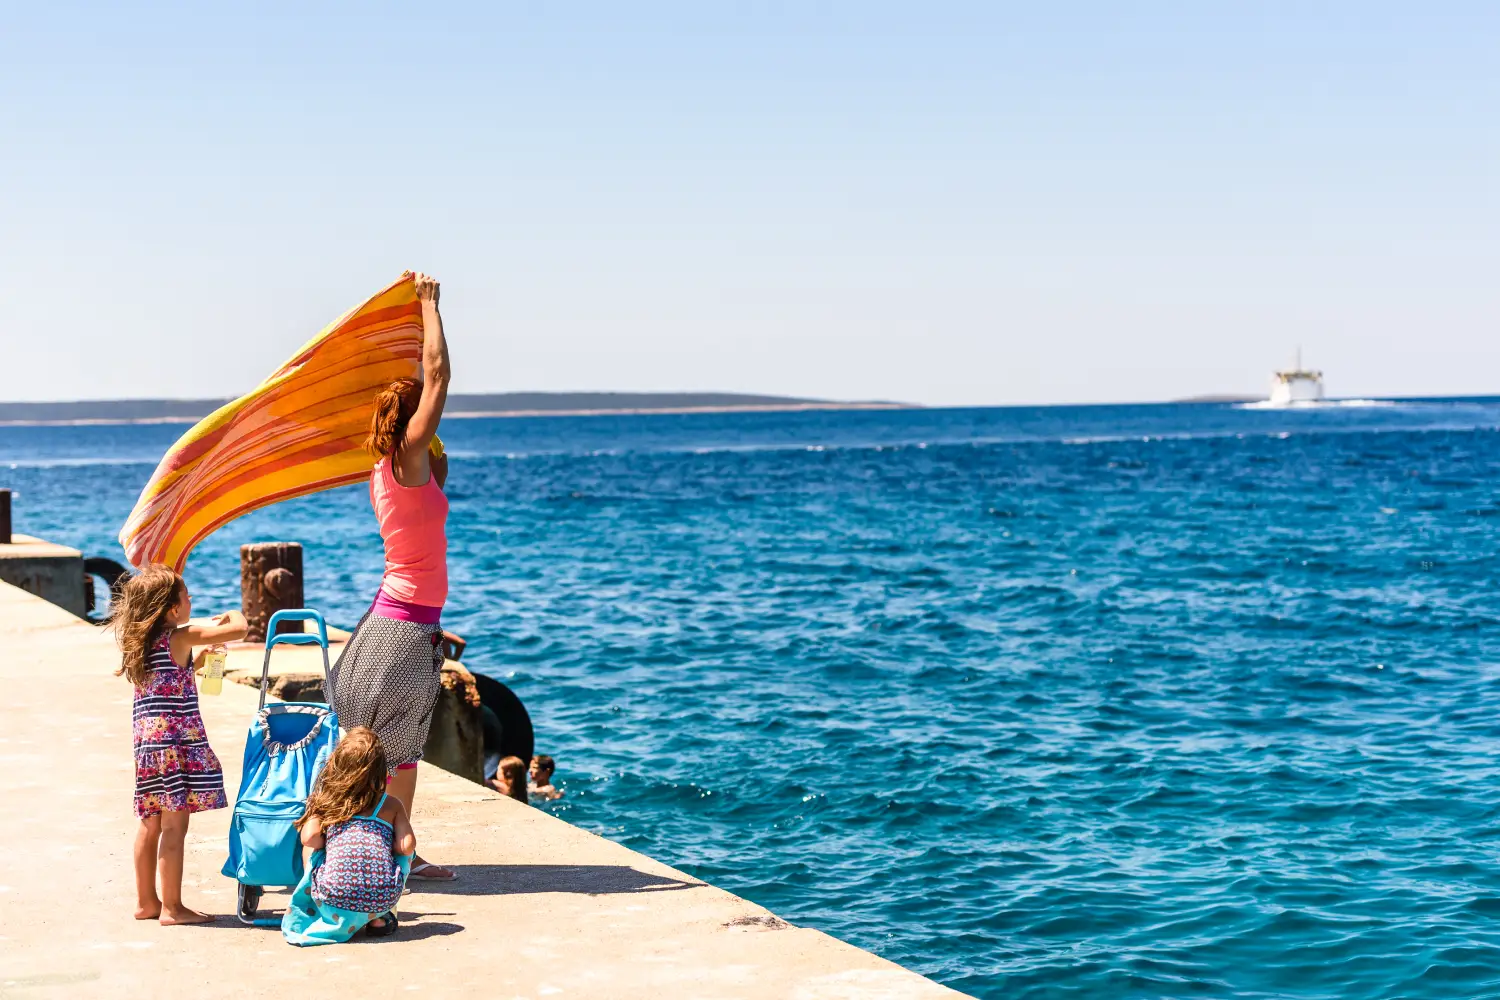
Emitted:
<point x="300" y="431"/>
<point x="413" y="525"/>
<point x="388" y="677"/>
<point x="287" y="746"/>
<point x="359" y="870"/>
<point x="175" y="768"/>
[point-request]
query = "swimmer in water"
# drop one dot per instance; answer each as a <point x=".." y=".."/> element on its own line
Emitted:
<point x="510" y="778"/>
<point x="542" y="767"/>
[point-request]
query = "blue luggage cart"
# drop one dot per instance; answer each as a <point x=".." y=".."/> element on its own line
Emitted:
<point x="286" y="747"/>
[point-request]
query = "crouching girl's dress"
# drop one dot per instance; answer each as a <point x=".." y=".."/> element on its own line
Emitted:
<point x="356" y="877"/>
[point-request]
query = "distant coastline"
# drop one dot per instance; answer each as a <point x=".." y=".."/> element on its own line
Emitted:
<point x="460" y="405"/>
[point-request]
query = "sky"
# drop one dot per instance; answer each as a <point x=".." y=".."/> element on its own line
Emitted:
<point x="942" y="203"/>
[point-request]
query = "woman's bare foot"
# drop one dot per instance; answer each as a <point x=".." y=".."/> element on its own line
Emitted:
<point x="150" y="912"/>
<point x="183" y="915"/>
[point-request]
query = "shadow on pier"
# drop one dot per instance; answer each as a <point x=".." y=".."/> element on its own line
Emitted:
<point x="589" y="880"/>
<point x="417" y="928"/>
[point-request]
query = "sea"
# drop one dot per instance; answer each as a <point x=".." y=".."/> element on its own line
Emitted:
<point x="1041" y="702"/>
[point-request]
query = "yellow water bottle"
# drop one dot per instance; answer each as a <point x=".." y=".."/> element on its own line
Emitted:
<point x="212" y="675"/>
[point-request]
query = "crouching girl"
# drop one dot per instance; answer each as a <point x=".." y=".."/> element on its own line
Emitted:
<point x="362" y="845"/>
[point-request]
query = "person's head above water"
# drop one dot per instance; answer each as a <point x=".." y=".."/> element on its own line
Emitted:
<point x="394" y="407"/>
<point x="156" y="598"/>
<point x="511" y="776"/>
<point x="351" y="782"/>
<point x="542" y="767"/>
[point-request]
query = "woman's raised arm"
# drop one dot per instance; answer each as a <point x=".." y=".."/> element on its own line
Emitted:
<point x="424" y="423"/>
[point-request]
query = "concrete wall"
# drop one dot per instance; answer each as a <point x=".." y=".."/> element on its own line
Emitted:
<point x="51" y="572"/>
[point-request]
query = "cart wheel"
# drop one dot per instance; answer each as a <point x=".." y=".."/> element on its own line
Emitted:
<point x="249" y="901"/>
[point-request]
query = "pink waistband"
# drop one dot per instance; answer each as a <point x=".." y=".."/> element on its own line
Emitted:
<point x="388" y="607"/>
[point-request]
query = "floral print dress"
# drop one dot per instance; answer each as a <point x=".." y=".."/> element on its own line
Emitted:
<point x="175" y="768"/>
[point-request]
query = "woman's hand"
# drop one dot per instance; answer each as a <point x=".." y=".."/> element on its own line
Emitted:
<point x="427" y="288"/>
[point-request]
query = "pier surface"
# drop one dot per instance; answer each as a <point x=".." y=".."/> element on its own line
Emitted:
<point x="541" y="909"/>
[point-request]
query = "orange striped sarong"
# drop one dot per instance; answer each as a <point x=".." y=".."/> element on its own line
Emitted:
<point x="298" y="432"/>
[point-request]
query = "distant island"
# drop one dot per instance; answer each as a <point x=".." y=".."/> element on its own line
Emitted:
<point x="495" y="404"/>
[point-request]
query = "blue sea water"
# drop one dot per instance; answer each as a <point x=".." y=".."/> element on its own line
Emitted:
<point x="1146" y="701"/>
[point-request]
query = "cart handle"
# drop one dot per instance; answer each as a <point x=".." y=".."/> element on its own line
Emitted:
<point x="297" y="638"/>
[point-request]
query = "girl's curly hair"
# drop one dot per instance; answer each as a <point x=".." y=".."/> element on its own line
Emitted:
<point x="138" y="614"/>
<point x="351" y="782"/>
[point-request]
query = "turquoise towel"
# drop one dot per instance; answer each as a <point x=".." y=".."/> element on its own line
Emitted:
<point x="309" y="922"/>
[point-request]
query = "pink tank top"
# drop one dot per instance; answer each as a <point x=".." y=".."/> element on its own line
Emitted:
<point x="413" y="523"/>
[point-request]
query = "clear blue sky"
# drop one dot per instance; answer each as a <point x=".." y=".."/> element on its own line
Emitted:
<point x="938" y="202"/>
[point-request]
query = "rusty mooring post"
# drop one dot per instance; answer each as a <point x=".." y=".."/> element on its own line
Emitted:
<point x="4" y="517"/>
<point x="270" y="581"/>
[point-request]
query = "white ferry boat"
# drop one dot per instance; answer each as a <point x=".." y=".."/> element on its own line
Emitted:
<point x="1296" y="386"/>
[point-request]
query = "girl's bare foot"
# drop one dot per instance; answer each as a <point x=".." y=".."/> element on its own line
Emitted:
<point x="148" y="912"/>
<point x="183" y="915"/>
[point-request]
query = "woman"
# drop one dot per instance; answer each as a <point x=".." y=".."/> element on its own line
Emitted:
<point x="387" y="677"/>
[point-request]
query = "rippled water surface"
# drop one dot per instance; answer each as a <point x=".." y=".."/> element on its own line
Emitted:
<point x="1166" y="701"/>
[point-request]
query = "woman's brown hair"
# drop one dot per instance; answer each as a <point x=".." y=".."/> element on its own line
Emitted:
<point x="138" y="614"/>
<point x="394" y="407"/>
<point x="351" y="782"/>
<point x="513" y="770"/>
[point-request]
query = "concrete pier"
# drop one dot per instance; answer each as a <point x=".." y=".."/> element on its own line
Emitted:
<point x="51" y="572"/>
<point x="542" y="908"/>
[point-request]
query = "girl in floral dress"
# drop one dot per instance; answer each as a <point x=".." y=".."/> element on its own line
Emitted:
<point x="176" y="771"/>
